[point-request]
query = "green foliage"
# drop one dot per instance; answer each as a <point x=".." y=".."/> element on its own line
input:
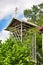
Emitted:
<point x="39" y="48"/>
<point x="41" y="5"/>
<point x="32" y="13"/>
<point x="39" y="43"/>
<point x="27" y="13"/>
<point x="35" y="14"/>
<point x="14" y="52"/>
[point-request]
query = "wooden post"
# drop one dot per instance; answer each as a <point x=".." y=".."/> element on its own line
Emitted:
<point x="42" y="45"/>
<point x="21" y="31"/>
<point x="34" y="47"/>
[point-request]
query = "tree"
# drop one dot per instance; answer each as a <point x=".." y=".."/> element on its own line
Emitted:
<point x="40" y="20"/>
<point x="32" y="13"/>
<point x="35" y="14"/>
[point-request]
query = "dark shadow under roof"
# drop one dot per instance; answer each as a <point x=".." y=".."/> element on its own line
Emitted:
<point x="15" y="22"/>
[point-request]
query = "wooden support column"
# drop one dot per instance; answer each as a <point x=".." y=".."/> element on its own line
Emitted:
<point x="21" y="31"/>
<point x="42" y="43"/>
<point x="34" y="47"/>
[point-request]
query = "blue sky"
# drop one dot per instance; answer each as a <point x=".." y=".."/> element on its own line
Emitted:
<point x="5" y="21"/>
<point x="7" y="12"/>
<point x="7" y="9"/>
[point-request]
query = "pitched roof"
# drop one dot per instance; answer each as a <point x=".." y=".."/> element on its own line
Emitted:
<point x="15" y="22"/>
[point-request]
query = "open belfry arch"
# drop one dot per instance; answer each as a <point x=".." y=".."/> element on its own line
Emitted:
<point x="19" y="29"/>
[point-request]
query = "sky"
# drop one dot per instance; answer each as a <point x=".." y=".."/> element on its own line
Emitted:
<point x="7" y="12"/>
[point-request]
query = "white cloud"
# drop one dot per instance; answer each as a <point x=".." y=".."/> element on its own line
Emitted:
<point x="4" y="35"/>
<point x="8" y="6"/>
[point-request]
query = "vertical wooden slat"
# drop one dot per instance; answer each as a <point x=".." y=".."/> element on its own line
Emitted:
<point x="21" y="31"/>
<point x="35" y="48"/>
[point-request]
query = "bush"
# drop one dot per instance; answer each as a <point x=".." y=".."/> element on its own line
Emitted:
<point x="14" y="52"/>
